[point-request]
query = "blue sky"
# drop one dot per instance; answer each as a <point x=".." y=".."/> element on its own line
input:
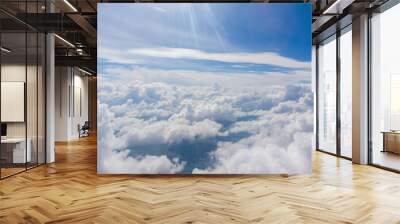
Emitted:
<point x="206" y="37"/>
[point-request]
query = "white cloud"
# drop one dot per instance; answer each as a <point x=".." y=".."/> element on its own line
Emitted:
<point x="256" y="82"/>
<point x="144" y="111"/>
<point x="113" y="155"/>
<point x="122" y="163"/>
<point x="158" y="8"/>
<point x="262" y="58"/>
<point x="116" y="56"/>
<point x="172" y="131"/>
<point x="280" y="143"/>
<point x="257" y="155"/>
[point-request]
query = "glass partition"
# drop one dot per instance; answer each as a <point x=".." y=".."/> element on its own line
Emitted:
<point x="41" y="97"/>
<point x="22" y="77"/>
<point x="13" y="109"/>
<point x="327" y="95"/>
<point x="385" y="89"/>
<point x="346" y="92"/>
<point x="31" y="99"/>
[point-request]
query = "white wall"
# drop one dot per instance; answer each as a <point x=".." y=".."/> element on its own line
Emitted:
<point x="61" y="103"/>
<point x="80" y="84"/>
<point x="70" y="83"/>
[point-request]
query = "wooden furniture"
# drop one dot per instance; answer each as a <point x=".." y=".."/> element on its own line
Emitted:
<point x="391" y="141"/>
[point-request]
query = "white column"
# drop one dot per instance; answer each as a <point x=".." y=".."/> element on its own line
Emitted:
<point x="360" y="89"/>
<point x="50" y="99"/>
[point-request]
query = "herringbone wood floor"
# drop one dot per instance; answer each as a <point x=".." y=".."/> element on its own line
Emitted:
<point x="70" y="191"/>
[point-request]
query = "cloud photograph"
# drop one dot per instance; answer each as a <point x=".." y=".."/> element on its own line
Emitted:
<point x="204" y="89"/>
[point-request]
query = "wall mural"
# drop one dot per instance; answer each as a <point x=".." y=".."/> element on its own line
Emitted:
<point x="204" y="89"/>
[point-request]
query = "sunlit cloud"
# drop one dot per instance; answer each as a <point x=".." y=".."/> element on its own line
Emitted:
<point x="262" y="58"/>
<point x="265" y="58"/>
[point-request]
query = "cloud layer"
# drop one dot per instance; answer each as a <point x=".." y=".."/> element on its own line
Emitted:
<point x="135" y="56"/>
<point x="267" y="58"/>
<point x="275" y="125"/>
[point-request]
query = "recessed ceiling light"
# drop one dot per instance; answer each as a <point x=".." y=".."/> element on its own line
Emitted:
<point x="5" y="50"/>
<point x="64" y="40"/>
<point x="70" y="5"/>
<point x="84" y="71"/>
<point x="337" y="7"/>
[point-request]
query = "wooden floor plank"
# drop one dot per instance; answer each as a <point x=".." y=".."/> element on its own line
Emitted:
<point x="70" y="191"/>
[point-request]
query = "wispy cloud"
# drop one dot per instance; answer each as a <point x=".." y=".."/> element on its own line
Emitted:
<point x="157" y="8"/>
<point x="261" y="58"/>
<point x="264" y="58"/>
<point x="254" y="81"/>
<point x="116" y="56"/>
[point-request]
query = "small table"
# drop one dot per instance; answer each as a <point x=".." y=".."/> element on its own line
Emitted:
<point x="391" y="141"/>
